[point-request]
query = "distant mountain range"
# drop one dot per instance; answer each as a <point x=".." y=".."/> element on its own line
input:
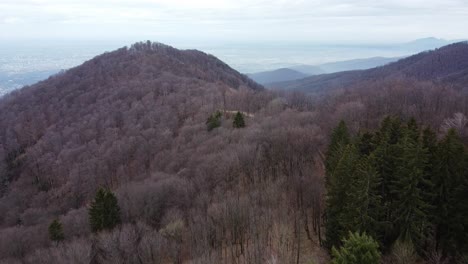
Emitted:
<point x="17" y="71"/>
<point x="447" y="65"/>
<point x="303" y="71"/>
<point x="268" y="77"/>
<point x="279" y="75"/>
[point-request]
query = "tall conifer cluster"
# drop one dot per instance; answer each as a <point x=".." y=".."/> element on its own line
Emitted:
<point x="399" y="183"/>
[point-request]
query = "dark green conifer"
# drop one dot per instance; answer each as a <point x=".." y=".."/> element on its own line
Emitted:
<point x="386" y="155"/>
<point x="357" y="249"/>
<point x="213" y="121"/>
<point x="340" y="215"/>
<point x="409" y="207"/>
<point x="340" y="138"/>
<point x="239" y="121"/>
<point x="449" y="179"/>
<point x="104" y="212"/>
<point x="56" y="232"/>
<point x="366" y="143"/>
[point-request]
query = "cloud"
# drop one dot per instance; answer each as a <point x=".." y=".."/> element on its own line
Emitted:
<point x="242" y="20"/>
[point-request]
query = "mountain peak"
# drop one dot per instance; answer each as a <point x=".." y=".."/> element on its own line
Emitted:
<point x="150" y="60"/>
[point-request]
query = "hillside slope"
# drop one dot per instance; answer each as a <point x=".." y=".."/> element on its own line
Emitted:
<point x="279" y="75"/>
<point x="134" y="121"/>
<point x="357" y="64"/>
<point x="446" y="65"/>
<point x="149" y="87"/>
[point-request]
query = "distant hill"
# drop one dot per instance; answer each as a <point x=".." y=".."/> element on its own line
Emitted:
<point x="448" y="64"/>
<point x="426" y="44"/>
<point x="358" y="64"/>
<point x="135" y="121"/>
<point x="308" y="69"/>
<point x="302" y="71"/>
<point x="279" y="75"/>
<point x="145" y="92"/>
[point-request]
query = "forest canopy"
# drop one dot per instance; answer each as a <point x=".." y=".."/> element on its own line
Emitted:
<point x="207" y="166"/>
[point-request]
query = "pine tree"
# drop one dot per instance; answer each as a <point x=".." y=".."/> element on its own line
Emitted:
<point x="104" y="212"/>
<point x="409" y="206"/>
<point x="357" y="249"/>
<point x="371" y="210"/>
<point x="353" y="198"/>
<point x="340" y="138"/>
<point x="412" y="129"/>
<point x="429" y="143"/>
<point x="461" y="206"/>
<point x="214" y="121"/>
<point x="449" y="178"/>
<point x="366" y="143"/>
<point x="56" y="231"/>
<point x="339" y="219"/>
<point x="427" y="187"/>
<point x="238" y="120"/>
<point x="386" y="155"/>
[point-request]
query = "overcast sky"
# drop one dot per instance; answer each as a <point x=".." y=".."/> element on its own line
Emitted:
<point x="319" y="21"/>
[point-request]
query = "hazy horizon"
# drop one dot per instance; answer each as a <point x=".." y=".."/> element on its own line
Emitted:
<point x="41" y="37"/>
<point x="245" y="21"/>
<point x="26" y="62"/>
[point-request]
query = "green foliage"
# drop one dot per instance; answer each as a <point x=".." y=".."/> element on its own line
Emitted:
<point x="408" y="206"/>
<point x="398" y="184"/>
<point x="352" y="197"/>
<point x="366" y="143"/>
<point x="449" y="179"/>
<point x="340" y="138"/>
<point x="56" y="231"/>
<point x="339" y="212"/>
<point x="429" y="144"/>
<point x="239" y="121"/>
<point x="214" y="121"/>
<point x="357" y="249"/>
<point x="386" y="156"/>
<point x="104" y="213"/>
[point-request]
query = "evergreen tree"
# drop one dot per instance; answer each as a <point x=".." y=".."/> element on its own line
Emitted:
<point x="340" y="138"/>
<point x="412" y="129"/>
<point x="409" y="206"/>
<point x="461" y="206"/>
<point x="104" y="212"/>
<point x="449" y="180"/>
<point x="214" y="121"/>
<point x="238" y="120"/>
<point x="386" y="155"/>
<point x="353" y="198"/>
<point x="357" y="249"/>
<point x="370" y="203"/>
<point x="338" y="215"/>
<point x="56" y="231"/>
<point x="429" y="144"/>
<point x="366" y="144"/>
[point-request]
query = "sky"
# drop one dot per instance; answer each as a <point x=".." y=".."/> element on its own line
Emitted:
<point x="242" y="21"/>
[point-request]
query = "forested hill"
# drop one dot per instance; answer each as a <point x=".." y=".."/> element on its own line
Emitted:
<point x="446" y="65"/>
<point x="150" y="154"/>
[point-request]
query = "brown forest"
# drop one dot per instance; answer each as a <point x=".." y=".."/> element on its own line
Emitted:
<point x="134" y="121"/>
